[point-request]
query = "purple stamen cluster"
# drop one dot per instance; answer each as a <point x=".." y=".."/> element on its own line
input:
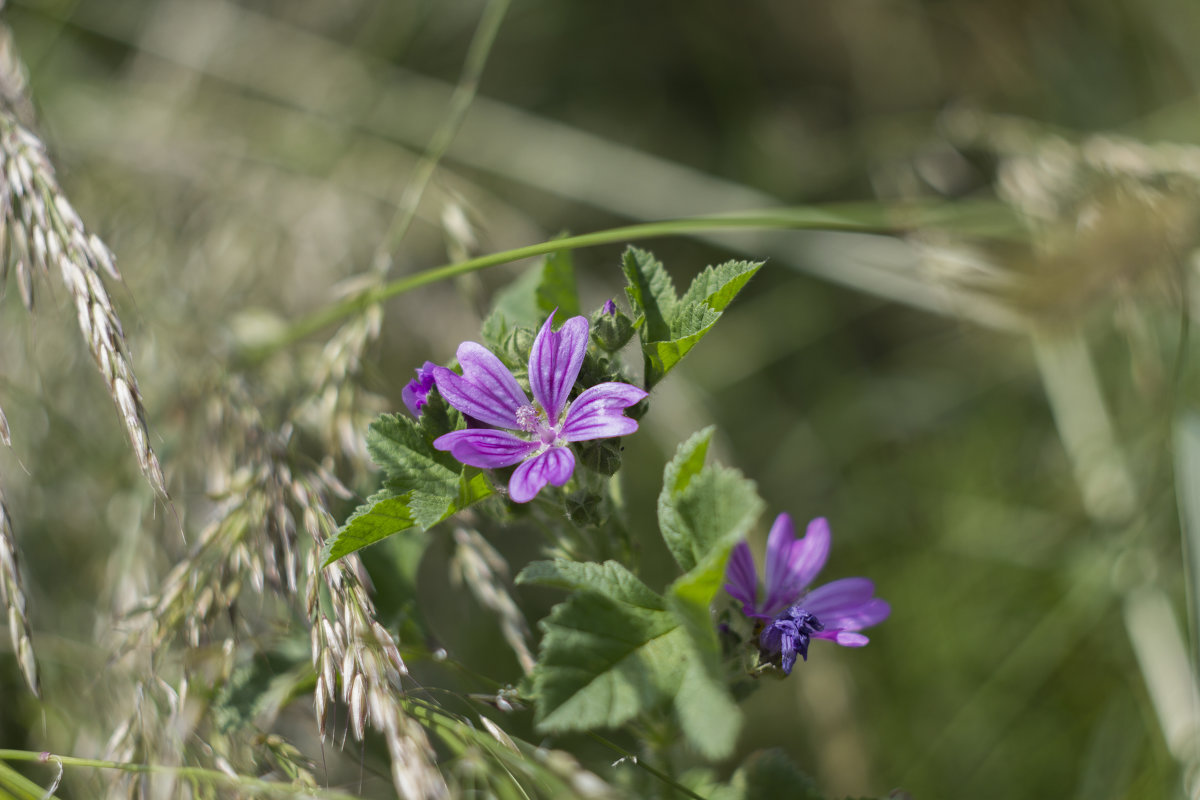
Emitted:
<point x="787" y="636"/>
<point x="793" y="613"/>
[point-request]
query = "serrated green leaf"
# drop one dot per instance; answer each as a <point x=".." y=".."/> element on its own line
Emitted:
<point x="609" y="579"/>
<point x="613" y="650"/>
<point x="717" y="286"/>
<point x="703" y="509"/>
<point x="370" y="522"/>
<point x="494" y="329"/>
<point x="651" y="293"/>
<point x="691" y="321"/>
<point x="603" y="662"/>
<point x="386" y="513"/>
<point x="398" y="446"/>
<point x="717" y="503"/>
<point x="686" y="464"/>
<point x="557" y="286"/>
<point x="708" y="715"/>
<point x="428" y="509"/>
<point x="670" y="326"/>
<point x="661" y="357"/>
<point x="692" y="594"/>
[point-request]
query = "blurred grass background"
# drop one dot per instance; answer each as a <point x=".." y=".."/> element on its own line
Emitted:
<point x="242" y="159"/>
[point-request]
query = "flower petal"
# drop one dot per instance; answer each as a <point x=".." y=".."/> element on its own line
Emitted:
<point x="486" y="390"/>
<point x="871" y="612"/>
<point x="844" y="638"/>
<point x="553" y="466"/>
<point x="554" y="363"/>
<point x="789" y="647"/>
<point x="485" y="447"/>
<point x="839" y="598"/>
<point x="809" y="554"/>
<point x="792" y="563"/>
<point x="415" y="394"/>
<point x="599" y="412"/>
<point x="743" y="582"/>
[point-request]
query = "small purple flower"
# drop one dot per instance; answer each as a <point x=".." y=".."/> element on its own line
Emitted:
<point x="609" y="308"/>
<point x="489" y="393"/>
<point x="788" y="635"/>
<point x="836" y="611"/>
<point x="416" y="394"/>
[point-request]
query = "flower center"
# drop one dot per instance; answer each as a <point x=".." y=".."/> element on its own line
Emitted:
<point x="532" y="419"/>
<point x="527" y="418"/>
<point x="788" y="636"/>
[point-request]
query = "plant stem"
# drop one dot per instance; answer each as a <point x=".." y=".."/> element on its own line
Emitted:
<point x="200" y="774"/>
<point x="460" y="102"/>
<point x="871" y="218"/>
<point x="662" y="776"/>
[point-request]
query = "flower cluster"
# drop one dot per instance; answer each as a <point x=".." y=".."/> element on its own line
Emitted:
<point x="793" y="614"/>
<point x="508" y="428"/>
<point x="505" y="428"/>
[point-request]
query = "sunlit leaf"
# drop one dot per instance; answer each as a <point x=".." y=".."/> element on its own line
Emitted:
<point x="670" y="326"/>
<point x="701" y="508"/>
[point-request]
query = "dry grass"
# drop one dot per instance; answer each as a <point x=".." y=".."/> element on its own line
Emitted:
<point x="14" y="601"/>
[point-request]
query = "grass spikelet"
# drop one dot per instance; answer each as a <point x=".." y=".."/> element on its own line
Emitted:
<point x="485" y="572"/>
<point x="14" y="599"/>
<point x="43" y="231"/>
<point x="351" y="642"/>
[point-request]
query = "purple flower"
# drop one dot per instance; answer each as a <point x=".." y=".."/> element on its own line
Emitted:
<point x="788" y="635"/>
<point x="609" y="308"/>
<point x="836" y="611"/>
<point x="416" y="394"/>
<point x="488" y="392"/>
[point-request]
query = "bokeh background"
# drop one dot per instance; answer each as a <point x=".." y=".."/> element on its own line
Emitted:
<point x="993" y="416"/>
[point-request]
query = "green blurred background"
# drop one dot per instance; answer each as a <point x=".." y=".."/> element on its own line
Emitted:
<point x="242" y="159"/>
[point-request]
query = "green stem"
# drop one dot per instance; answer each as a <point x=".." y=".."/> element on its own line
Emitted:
<point x="662" y="776"/>
<point x="460" y="102"/>
<point x="871" y="219"/>
<point x="210" y="776"/>
<point x="13" y="781"/>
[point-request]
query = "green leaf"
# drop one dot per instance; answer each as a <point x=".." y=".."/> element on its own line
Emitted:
<point x="603" y="662"/>
<point x="386" y="513"/>
<point x="382" y="515"/>
<point x="21" y="788"/>
<point x="400" y="448"/>
<point x="610" y="579"/>
<point x="717" y="286"/>
<point x="687" y="463"/>
<point x="709" y="716"/>
<point x="703" y="509"/>
<point x="557" y="287"/>
<point x="613" y="650"/>
<point x="651" y="293"/>
<point x="609" y="652"/>
<point x="670" y="326"/>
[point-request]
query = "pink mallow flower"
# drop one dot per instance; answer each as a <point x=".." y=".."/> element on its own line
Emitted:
<point x="792" y="613"/>
<point x="535" y="436"/>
